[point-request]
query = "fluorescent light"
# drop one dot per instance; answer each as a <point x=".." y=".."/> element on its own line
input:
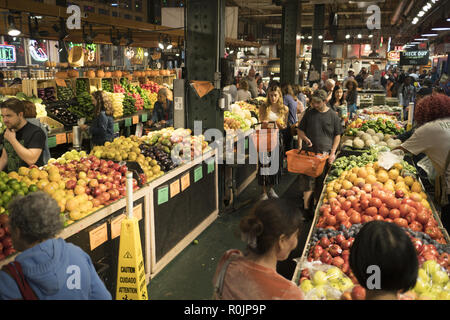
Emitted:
<point x="14" y="32"/>
<point x="448" y="19"/>
<point x="429" y="35"/>
<point x="440" y="29"/>
<point x="298" y="37"/>
<point x="370" y="35"/>
<point x="320" y="37"/>
<point x="145" y="54"/>
<point x="347" y="36"/>
<point x="177" y="54"/>
<point x="169" y="46"/>
<point x="161" y="46"/>
<point x="415" y="42"/>
<point x="302" y="37"/>
<point x="232" y="51"/>
<point x="421" y="39"/>
<point x="309" y="37"/>
<point x="415" y="20"/>
<point x="328" y="41"/>
<point x="359" y="36"/>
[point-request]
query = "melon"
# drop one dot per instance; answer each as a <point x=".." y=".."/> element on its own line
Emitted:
<point x="91" y="74"/>
<point x="117" y="73"/>
<point x="100" y="73"/>
<point x="108" y="74"/>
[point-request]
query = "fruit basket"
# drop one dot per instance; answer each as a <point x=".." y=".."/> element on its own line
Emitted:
<point x="53" y="125"/>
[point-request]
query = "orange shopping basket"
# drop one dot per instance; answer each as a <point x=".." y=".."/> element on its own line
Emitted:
<point x="265" y="140"/>
<point x="306" y="162"/>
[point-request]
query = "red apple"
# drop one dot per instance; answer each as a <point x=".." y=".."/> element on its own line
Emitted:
<point x="335" y="250"/>
<point x="326" y="257"/>
<point x="399" y="194"/>
<point x="337" y="261"/>
<point x="355" y="218"/>
<point x="324" y="242"/>
<point x="71" y="184"/>
<point x="339" y="238"/>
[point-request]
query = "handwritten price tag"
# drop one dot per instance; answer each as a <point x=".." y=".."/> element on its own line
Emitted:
<point x="135" y="119"/>
<point x="61" y="138"/>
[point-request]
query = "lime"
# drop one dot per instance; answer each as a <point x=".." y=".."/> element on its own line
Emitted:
<point x="12" y="181"/>
<point x="33" y="188"/>
<point x="9" y="193"/>
<point x="3" y="186"/>
<point x="5" y="199"/>
<point x="20" y="193"/>
<point x="23" y="185"/>
<point x="24" y="190"/>
<point x="15" y="186"/>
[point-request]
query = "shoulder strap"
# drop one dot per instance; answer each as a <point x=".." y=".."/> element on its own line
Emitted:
<point x="218" y="288"/>
<point x="14" y="269"/>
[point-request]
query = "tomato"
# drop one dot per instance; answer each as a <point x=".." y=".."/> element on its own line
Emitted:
<point x="355" y="218"/>
<point x="393" y="203"/>
<point x="383" y="211"/>
<point x="371" y="211"/>
<point x="364" y="204"/>
<point x="346" y="205"/>
<point x="335" y="209"/>
<point x="401" y="222"/>
<point x="404" y="210"/>
<point x="378" y="218"/>
<point x="331" y="220"/>
<point x="365" y="219"/>
<point x="388" y="220"/>
<point x="375" y="202"/>
<point x="341" y="216"/>
<point x="394" y="214"/>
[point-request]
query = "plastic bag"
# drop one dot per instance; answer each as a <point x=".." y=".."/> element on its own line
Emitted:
<point x="326" y="282"/>
<point x="387" y="159"/>
<point x="428" y="167"/>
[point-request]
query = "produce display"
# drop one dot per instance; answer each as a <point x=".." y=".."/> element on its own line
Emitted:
<point x="64" y="93"/>
<point x="379" y="125"/>
<point x="248" y="106"/>
<point x="47" y="94"/>
<point x="151" y="86"/>
<point x="128" y="104"/>
<point x="81" y="85"/>
<point x="40" y="107"/>
<point x="383" y="110"/>
<point x="117" y="102"/>
<point x="238" y="119"/>
<point x="60" y="111"/>
<point x="85" y="107"/>
<point x="106" y="85"/>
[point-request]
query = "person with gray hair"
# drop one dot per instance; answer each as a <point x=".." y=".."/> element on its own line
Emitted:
<point x="252" y="85"/>
<point x="52" y="268"/>
<point x="329" y="87"/>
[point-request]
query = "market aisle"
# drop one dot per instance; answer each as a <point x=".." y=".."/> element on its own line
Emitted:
<point x="189" y="275"/>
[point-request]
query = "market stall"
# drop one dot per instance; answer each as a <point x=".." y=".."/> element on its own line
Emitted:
<point x="366" y="184"/>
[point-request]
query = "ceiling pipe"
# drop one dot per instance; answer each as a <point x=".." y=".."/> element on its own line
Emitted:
<point x="398" y="12"/>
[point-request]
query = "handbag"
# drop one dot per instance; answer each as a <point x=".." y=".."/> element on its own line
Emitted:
<point x="14" y="269"/>
<point x="218" y="287"/>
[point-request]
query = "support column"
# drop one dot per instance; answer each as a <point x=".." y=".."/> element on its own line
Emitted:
<point x="205" y="39"/>
<point x="290" y="27"/>
<point x="317" y="44"/>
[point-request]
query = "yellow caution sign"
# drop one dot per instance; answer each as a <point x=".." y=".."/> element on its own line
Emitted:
<point x="130" y="272"/>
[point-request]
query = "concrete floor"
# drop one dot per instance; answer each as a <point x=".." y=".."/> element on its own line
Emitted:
<point x="189" y="275"/>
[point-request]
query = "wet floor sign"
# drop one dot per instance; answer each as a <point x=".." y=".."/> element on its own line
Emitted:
<point x="131" y="272"/>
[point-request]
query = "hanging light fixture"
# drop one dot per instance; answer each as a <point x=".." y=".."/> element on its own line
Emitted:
<point x="12" y="30"/>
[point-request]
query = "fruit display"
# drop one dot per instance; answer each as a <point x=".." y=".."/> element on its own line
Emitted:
<point x="248" y="106"/>
<point x="84" y="108"/>
<point x="6" y="244"/>
<point x="118" y="88"/>
<point x="64" y="93"/>
<point x="432" y="282"/>
<point x="145" y="104"/>
<point x="163" y="159"/>
<point x="393" y="112"/>
<point x="152" y="98"/>
<point x="379" y="125"/>
<point x="369" y="139"/>
<point x="324" y="282"/>
<point x="151" y="86"/>
<point x="47" y="94"/>
<point x="106" y="85"/>
<point x="238" y="119"/>
<point x="117" y="103"/>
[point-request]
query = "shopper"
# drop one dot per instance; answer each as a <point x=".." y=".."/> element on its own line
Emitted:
<point x="252" y="85"/>
<point x="2" y="81"/>
<point x="163" y="110"/>
<point x="351" y="96"/>
<point x="273" y="110"/>
<point x="243" y="93"/>
<point x="338" y="104"/>
<point x="351" y="75"/>
<point x="231" y="89"/>
<point x="50" y="265"/>
<point x="271" y="233"/>
<point x="434" y="77"/>
<point x="261" y="90"/>
<point x="329" y="87"/>
<point x="290" y="101"/>
<point x="432" y="137"/>
<point x="320" y="130"/>
<point x="30" y="116"/>
<point x="406" y="95"/>
<point x="23" y="143"/>
<point x="362" y="75"/>
<point x="102" y="127"/>
<point x="387" y="246"/>
<point x="298" y="91"/>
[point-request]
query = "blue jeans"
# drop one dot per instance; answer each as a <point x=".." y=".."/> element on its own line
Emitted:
<point x="352" y="110"/>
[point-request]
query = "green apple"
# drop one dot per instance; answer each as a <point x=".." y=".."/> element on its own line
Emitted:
<point x="333" y="274"/>
<point x="421" y="286"/>
<point x="440" y="277"/>
<point x="335" y="285"/>
<point x="423" y="275"/>
<point x="345" y="284"/>
<point x="430" y="266"/>
<point x="447" y="286"/>
<point x="427" y="295"/>
<point x="320" y="291"/>
<point x="306" y="286"/>
<point x="319" y="278"/>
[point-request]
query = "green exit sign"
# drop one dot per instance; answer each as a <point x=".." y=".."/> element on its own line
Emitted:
<point x="7" y="54"/>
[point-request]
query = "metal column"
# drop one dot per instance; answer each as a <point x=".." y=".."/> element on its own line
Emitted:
<point x="290" y="27"/>
<point x="205" y="38"/>
<point x="317" y="44"/>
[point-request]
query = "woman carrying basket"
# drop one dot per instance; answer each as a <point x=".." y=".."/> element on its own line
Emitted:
<point x="273" y="111"/>
<point x="321" y="130"/>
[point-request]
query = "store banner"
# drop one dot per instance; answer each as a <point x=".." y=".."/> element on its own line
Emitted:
<point x="231" y="22"/>
<point x="172" y="17"/>
<point x="414" y="57"/>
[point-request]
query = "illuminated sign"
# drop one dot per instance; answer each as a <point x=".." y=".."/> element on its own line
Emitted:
<point x="7" y="54"/>
<point x="414" y="57"/>
<point x="37" y="51"/>
<point x="394" y="55"/>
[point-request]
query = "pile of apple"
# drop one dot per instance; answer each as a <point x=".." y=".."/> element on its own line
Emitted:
<point x="118" y="89"/>
<point x="364" y="202"/>
<point x="151" y="86"/>
<point x="429" y="252"/>
<point x="6" y="245"/>
<point x="432" y="283"/>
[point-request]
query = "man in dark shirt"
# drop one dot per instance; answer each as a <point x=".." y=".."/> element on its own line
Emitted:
<point x="22" y="142"/>
<point x="320" y="129"/>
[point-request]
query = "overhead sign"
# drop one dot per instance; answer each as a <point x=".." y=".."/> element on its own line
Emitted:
<point x="7" y="54"/>
<point x="394" y="55"/>
<point x="414" y="57"/>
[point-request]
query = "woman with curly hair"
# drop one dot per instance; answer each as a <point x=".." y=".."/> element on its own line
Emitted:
<point x="102" y="127"/>
<point x="432" y="137"/>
